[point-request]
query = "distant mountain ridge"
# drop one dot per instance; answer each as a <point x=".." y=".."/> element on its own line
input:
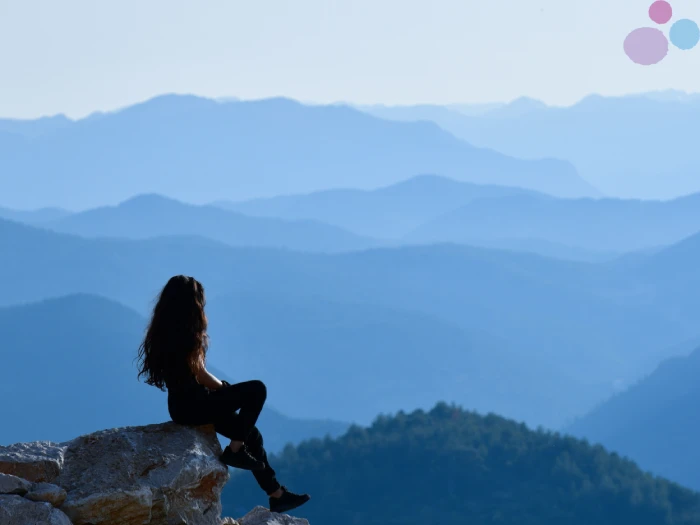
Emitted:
<point x="387" y="212"/>
<point x="434" y="209"/>
<point x="592" y="224"/>
<point x="147" y="216"/>
<point x="200" y="150"/>
<point x="33" y="216"/>
<point x="653" y="422"/>
<point x="611" y="319"/>
<point x="34" y="128"/>
<point x="636" y="146"/>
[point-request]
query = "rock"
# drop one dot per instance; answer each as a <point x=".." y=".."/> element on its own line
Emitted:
<point x="16" y="510"/>
<point x="157" y="474"/>
<point x="10" y="484"/>
<point x="48" y="493"/>
<point x="37" y="461"/>
<point x="164" y="474"/>
<point x="262" y="516"/>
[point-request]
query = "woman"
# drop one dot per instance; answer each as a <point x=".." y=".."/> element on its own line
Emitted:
<point x="173" y="356"/>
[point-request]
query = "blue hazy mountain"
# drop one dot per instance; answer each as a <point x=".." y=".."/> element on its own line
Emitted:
<point x="36" y="127"/>
<point x="436" y="209"/>
<point x="68" y="366"/>
<point x="590" y="224"/>
<point x="517" y="108"/>
<point x="388" y="212"/>
<point x="572" y="328"/>
<point x="199" y="150"/>
<point x="149" y="216"/>
<point x="654" y="422"/>
<point x="265" y="302"/>
<point x="370" y="359"/>
<point x="437" y="113"/>
<point x="42" y="215"/>
<point x="634" y="146"/>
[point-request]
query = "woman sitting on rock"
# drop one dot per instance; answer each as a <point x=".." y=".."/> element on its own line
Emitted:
<point x="173" y="356"/>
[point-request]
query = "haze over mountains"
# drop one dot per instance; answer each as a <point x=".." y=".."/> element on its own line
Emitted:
<point x="149" y="216"/>
<point x="436" y="209"/>
<point x="388" y="265"/>
<point x="77" y="374"/>
<point x="421" y="210"/>
<point x="639" y="146"/>
<point x="654" y="421"/>
<point x="387" y="212"/>
<point x="483" y="311"/>
<point x="198" y="150"/>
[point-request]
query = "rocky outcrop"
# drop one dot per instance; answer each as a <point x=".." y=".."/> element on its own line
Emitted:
<point x="16" y="510"/>
<point x="262" y="516"/>
<point x="164" y="474"/>
<point x="10" y="484"/>
<point x="48" y="493"/>
<point x="38" y="461"/>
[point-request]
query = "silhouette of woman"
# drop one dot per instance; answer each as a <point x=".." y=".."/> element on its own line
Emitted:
<point x="173" y="356"/>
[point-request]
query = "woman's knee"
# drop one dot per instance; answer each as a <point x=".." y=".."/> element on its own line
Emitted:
<point x="259" y="390"/>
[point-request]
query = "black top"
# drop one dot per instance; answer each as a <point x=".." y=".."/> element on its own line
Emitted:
<point x="188" y="385"/>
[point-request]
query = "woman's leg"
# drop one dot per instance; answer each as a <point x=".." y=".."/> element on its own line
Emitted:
<point x="265" y="478"/>
<point x="248" y="397"/>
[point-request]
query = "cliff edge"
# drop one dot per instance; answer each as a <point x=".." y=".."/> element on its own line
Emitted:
<point x="163" y="474"/>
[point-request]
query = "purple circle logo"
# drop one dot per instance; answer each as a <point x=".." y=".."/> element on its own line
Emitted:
<point x="646" y="46"/>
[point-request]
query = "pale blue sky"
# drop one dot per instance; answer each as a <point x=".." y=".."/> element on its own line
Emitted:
<point x="78" y="56"/>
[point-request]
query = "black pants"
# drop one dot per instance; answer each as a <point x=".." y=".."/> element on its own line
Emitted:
<point x="218" y="407"/>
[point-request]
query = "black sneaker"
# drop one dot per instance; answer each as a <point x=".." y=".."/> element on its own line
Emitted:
<point x="287" y="501"/>
<point x="241" y="459"/>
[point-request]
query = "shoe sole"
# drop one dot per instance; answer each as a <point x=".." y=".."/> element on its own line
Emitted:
<point x="287" y="508"/>
<point x="258" y="467"/>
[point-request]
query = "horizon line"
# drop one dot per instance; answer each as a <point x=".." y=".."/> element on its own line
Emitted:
<point x="355" y="105"/>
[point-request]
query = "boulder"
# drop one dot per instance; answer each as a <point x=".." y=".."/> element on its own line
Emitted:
<point x="16" y="510"/>
<point x="38" y="461"/>
<point x="164" y="473"/>
<point x="10" y="484"/>
<point x="47" y="492"/>
<point x="262" y="516"/>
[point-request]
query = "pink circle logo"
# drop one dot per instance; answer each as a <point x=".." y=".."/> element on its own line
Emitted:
<point x="660" y="12"/>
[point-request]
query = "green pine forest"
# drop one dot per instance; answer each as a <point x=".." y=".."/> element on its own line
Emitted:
<point x="453" y="467"/>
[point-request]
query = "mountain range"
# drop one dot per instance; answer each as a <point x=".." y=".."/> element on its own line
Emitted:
<point x="431" y="209"/>
<point x="390" y="212"/>
<point x="148" y="216"/>
<point x="606" y="323"/>
<point x="637" y="146"/>
<point x="199" y="150"/>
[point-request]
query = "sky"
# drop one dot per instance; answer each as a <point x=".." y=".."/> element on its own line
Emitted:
<point x="79" y="56"/>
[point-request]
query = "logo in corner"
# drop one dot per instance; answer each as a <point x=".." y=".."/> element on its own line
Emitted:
<point x="649" y="45"/>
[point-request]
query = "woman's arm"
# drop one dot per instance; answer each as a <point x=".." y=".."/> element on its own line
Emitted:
<point x="205" y="378"/>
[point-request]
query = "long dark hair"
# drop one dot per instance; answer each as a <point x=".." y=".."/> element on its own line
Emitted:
<point x="176" y="341"/>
